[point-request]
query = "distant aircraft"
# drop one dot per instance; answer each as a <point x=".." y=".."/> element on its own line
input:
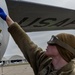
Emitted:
<point x="35" y="16"/>
<point x="4" y="35"/>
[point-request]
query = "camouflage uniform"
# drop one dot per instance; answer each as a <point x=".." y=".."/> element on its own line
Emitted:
<point x="40" y="63"/>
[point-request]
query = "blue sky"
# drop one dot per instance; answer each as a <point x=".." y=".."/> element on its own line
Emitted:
<point x="40" y="38"/>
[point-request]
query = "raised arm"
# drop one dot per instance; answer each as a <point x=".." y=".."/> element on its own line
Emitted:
<point x="9" y="21"/>
<point x="31" y="51"/>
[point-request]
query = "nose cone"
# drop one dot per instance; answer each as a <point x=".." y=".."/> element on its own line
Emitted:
<point x="4" y="35"/>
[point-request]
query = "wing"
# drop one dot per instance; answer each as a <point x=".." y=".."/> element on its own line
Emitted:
<point x="41" y="17"/>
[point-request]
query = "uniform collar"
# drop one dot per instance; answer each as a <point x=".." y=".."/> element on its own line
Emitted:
<point x="67" y="68"/>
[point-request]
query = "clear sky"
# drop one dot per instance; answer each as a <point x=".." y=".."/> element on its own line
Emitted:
<point x="61" y="3"/>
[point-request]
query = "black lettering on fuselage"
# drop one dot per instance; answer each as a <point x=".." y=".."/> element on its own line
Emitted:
<point x="60" y="23"/>
<point x="45" y="22"/>
<point x="42" y="22"/>
<point x="73" y="22"/>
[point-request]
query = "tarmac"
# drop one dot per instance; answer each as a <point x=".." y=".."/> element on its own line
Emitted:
<point x="18" y="69"/>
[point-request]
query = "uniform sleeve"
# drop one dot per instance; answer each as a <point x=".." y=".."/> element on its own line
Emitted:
<point x="34" y="55"/>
